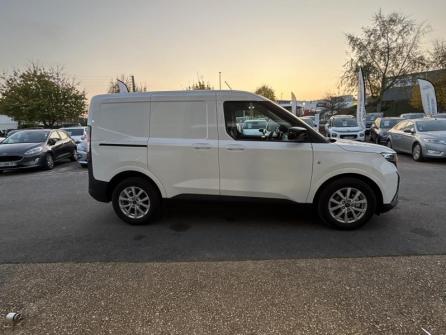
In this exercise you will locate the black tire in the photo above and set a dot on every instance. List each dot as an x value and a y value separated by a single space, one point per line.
48 162
417 153
341 184
150 190
389 144
73 156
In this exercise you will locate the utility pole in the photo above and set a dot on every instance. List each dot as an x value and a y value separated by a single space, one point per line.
133 83
219 80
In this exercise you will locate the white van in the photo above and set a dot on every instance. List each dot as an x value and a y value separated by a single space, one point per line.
146 147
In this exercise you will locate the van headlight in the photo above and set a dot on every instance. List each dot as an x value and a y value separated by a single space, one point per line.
391 157
34 151
334 134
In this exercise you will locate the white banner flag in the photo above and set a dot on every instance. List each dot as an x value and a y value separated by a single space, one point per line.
122 87
360 108
293 104
428 98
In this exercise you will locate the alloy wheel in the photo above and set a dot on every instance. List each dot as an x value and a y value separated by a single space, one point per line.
347 205
134 202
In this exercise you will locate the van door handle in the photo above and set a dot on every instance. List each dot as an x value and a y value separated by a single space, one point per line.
235 147
202 146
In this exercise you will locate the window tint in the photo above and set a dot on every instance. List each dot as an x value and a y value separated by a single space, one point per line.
262 121
431 125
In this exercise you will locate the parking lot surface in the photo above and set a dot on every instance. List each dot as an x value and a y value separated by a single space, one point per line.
71 266
48 216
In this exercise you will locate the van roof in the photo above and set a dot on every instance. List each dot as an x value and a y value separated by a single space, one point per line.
184 93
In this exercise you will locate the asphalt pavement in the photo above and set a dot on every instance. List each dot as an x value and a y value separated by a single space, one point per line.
70 266
48 216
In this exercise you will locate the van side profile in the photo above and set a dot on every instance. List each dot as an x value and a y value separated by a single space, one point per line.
147 147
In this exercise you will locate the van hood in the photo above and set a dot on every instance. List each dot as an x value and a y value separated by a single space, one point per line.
354 146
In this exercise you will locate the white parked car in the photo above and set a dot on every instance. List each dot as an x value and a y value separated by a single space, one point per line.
78 134
311 121
344 127
147 147
254 127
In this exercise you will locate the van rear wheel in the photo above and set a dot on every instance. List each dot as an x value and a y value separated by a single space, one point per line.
135 200
347 203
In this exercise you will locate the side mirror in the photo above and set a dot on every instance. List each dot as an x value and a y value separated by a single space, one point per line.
51 141
409 131
298 134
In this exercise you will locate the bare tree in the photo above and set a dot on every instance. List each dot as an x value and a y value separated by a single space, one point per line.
200 85
333 103
438 55
386 50
114 88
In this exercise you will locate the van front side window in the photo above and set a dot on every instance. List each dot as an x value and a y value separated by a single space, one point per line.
258 121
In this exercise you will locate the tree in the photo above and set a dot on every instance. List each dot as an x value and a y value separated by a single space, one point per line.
333 103
40 95
386 50
200 85
266 92
438 55
114 88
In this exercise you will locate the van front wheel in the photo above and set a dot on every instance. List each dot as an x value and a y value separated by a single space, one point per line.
135 201
347 203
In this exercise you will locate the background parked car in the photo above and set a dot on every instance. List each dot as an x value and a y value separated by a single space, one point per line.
344 127
420 137
412 116
253 127
1 139
82 153
310 120
36 148
78 134
380 128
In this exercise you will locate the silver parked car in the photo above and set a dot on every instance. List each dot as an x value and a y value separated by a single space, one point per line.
423 138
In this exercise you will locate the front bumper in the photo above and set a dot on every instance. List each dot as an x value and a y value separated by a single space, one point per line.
433 150
23 163
349 136
82 157
387 207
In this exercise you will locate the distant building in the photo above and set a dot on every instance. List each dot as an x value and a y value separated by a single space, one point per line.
402 89
7 123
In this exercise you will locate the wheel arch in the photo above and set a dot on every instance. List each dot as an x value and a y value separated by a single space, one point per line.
129 174
369 181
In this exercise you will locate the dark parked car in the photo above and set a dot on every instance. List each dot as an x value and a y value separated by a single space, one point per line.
36 148
380 128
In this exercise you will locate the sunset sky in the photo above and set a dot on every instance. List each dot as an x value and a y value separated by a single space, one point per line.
290 45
